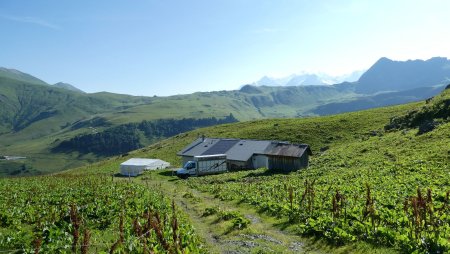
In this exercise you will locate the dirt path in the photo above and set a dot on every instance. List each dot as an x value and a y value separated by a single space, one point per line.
260 236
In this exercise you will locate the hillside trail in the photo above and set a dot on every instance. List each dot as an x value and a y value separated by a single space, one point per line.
260 236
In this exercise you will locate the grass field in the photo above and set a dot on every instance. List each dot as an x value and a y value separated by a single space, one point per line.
366 189
35 117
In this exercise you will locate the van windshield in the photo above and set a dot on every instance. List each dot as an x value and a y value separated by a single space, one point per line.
189 165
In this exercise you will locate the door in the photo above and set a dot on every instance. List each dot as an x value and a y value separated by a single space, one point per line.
260 161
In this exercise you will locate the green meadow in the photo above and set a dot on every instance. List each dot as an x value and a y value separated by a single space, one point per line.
374 184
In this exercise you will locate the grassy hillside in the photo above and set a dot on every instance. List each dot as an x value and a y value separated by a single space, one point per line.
353 156
33 116
319 132
36 117
20 76
77 214
364 184
246 104
378 100
32 108
68 87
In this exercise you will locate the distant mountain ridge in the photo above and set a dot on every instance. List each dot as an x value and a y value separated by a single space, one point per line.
378 100
25 77
389 75
385 75
308 79
36 116
20 76
68 87
23 104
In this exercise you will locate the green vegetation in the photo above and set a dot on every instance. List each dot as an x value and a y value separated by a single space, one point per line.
383 188
378 100
426 118
16 168
90 212
363 183
365 186
126 137
20 76
35 116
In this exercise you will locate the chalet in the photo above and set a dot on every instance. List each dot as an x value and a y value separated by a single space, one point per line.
251 154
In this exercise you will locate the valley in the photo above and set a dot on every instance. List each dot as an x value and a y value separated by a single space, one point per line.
36 118
224 127
359 195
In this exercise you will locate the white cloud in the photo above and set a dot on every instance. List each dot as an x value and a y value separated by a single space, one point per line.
31 20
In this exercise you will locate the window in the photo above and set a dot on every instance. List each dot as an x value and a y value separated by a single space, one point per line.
190 165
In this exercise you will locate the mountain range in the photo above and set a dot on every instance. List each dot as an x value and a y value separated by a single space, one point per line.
308 79
68 87
389 75
36 117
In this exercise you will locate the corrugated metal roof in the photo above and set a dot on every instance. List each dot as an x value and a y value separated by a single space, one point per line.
198 147
287 150
220 147
244 149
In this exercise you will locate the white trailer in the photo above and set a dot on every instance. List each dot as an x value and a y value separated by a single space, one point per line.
204 165
136 166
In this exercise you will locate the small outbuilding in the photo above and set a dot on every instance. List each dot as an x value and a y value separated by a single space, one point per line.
136 166
287 157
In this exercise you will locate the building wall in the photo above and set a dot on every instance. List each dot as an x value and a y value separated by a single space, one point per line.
260 161
231 165
131 170
304 160
238 165
280 163
271 162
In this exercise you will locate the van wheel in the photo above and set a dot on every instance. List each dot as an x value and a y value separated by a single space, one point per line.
184 176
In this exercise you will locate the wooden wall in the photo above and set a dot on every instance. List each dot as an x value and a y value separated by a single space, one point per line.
285 164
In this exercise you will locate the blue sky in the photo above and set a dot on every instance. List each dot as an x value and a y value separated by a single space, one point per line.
176 47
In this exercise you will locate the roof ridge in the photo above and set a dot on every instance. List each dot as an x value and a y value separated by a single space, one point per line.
249 139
